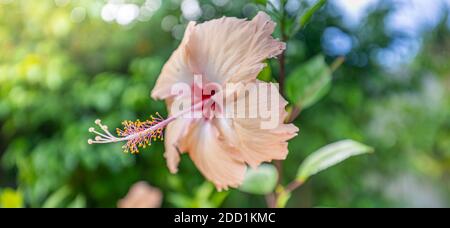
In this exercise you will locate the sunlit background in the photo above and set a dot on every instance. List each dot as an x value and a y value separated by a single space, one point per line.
63 63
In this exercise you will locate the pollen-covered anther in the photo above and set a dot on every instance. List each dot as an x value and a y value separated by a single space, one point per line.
138 134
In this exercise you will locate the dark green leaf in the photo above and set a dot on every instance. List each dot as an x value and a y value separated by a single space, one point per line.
261 2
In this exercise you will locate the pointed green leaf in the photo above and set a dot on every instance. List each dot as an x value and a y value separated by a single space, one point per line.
306 17
330 155
261 2
218 197
309 82
266 74
181 201
260 181
57 199
204 191
78 202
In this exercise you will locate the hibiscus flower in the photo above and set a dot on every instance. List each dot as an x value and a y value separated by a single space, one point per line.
218 52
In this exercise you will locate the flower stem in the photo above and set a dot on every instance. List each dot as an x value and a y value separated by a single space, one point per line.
282 75
273 197
293 185
282 57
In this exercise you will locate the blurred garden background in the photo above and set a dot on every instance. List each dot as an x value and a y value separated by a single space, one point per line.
65 63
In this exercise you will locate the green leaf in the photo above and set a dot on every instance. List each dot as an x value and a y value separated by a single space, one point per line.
266 74
181 201
261 2
56 199
10 198
218 197
204 191
78 202
309 82
205 196
261 180
330 155
306 17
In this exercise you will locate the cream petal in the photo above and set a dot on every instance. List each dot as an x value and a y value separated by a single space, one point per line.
141 195
212 156
233 50
257 145
226 130
175 131
176 70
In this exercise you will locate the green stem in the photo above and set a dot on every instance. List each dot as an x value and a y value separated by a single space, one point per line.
282 57
337 63
272 199
293 185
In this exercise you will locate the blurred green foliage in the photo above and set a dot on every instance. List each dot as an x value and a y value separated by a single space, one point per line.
62 66
10 198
